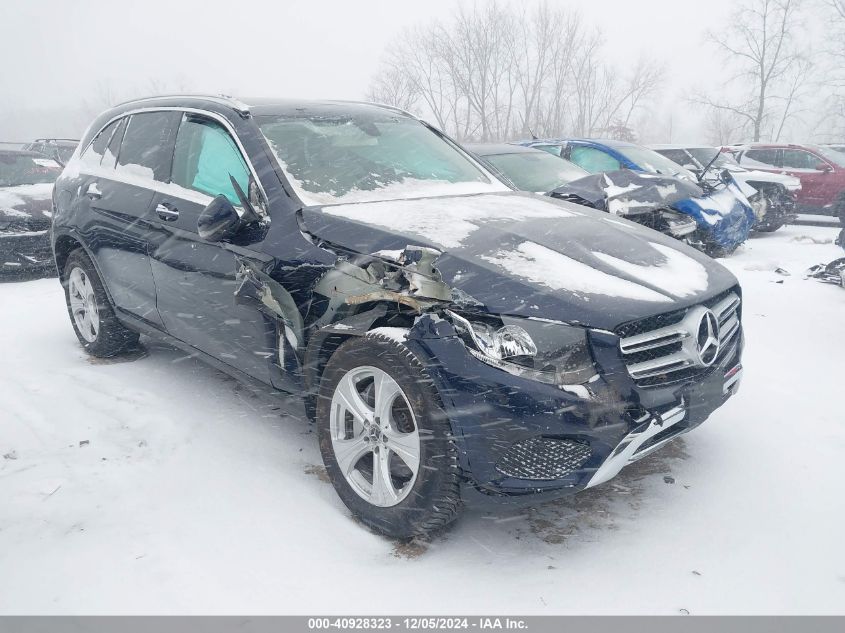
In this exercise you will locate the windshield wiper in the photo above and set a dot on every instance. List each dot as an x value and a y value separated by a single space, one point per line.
707 167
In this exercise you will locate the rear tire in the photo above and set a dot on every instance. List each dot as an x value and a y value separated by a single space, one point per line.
91 313
409 444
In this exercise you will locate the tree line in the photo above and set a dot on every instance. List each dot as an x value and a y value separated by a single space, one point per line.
496 72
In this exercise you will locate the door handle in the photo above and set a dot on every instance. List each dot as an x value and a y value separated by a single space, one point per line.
167 212
93 191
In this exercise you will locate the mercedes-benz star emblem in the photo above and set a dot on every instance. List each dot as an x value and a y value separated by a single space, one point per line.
707 338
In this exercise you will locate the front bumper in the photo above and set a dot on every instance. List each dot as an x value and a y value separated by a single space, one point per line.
654 431
523 441
22 250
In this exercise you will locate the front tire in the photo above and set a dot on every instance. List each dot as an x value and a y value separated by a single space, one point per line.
385 440
91 313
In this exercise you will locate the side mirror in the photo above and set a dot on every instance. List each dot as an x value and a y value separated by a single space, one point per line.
824 167
219 220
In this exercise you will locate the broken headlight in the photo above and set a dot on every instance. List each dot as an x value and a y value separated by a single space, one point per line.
547 351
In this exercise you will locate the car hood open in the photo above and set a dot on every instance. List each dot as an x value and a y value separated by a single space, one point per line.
529 255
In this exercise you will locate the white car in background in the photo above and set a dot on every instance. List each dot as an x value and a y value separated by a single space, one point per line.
774 203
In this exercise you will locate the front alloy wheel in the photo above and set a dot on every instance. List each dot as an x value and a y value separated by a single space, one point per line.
385 440
374 436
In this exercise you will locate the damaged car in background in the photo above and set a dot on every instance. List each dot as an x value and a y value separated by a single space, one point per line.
59 149
773 198
26 189
642 198
454 341
720 208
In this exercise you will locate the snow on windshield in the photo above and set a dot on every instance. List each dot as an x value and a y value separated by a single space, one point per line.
369 156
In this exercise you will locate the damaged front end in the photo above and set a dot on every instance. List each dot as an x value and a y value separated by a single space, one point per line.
536 406
714 217
643 198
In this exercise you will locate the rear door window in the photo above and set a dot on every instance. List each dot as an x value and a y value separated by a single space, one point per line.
800 160
147 148
593 160
766 158
206 157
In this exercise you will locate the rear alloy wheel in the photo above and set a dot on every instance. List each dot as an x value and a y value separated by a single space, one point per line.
90 310
385 440
83 305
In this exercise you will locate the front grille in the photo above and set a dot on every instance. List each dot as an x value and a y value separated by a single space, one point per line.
543 458
668 352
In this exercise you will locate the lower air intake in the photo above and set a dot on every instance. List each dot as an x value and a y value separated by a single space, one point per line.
543 458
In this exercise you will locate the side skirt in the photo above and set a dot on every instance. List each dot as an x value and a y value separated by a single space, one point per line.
248 381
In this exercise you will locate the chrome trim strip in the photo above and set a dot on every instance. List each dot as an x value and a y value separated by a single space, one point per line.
732 382
626 451
683 332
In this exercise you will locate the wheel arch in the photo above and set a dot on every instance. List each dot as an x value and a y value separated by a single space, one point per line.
63 245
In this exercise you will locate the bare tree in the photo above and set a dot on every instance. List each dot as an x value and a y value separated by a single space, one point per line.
394 87
723 126
760 42
496 72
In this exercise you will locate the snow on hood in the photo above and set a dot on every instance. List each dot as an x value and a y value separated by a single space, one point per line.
450 225
746 175
15 200
611 190
556 271
526 255
680 275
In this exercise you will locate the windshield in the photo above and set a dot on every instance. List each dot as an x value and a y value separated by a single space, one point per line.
21 169
651 161
369 157
705 154
838 158
536 171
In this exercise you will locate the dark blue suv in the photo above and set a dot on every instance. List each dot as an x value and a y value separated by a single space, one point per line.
453 340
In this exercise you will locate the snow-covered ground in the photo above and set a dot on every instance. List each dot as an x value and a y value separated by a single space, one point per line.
159 485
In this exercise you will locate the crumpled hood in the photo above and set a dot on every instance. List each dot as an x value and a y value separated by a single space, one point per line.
24 203
529 255
627 191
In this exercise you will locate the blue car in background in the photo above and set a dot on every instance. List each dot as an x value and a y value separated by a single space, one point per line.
722 213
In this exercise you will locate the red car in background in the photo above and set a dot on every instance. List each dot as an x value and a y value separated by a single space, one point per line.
821 171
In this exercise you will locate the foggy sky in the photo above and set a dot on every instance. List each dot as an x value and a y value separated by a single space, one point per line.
63 59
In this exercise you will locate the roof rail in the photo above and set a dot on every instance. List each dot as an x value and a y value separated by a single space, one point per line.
238 106
381 105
